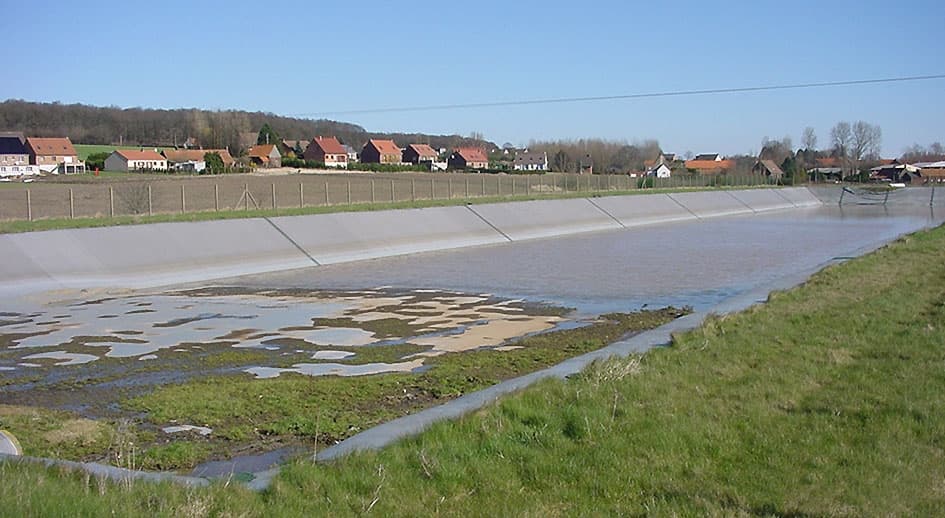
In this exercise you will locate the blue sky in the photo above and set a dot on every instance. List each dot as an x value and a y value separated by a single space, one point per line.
323 57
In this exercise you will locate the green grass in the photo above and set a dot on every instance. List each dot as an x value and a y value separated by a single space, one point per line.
826 401
12 227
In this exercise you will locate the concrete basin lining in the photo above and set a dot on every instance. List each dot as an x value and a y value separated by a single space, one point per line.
644 210
545 218
708 204
760 200
799 196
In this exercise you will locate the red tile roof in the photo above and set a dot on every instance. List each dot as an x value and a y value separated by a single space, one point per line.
710 165
472 154
135 154
261 151
424 151
828 162
386 147
51 146
330 145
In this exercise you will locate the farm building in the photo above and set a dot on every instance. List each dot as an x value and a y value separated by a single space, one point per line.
468 158
265 155
54 155
530 161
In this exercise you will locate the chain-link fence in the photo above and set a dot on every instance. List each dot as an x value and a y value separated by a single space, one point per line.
245 192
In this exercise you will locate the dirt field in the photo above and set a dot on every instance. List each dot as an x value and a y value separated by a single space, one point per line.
89 196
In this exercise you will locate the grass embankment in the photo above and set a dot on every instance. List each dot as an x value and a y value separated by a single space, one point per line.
13 227
825 401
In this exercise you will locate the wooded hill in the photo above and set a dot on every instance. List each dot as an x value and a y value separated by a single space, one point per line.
213 129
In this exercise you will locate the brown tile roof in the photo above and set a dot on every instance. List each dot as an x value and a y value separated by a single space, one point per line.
51 146
261 150
386 147
424 151
329 145
143 154
472 154
710 165
196 155
827 162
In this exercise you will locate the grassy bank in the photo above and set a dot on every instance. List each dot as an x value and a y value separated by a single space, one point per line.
825 401
17 226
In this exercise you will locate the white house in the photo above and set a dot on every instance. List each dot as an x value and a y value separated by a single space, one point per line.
661 170
134 160
530 161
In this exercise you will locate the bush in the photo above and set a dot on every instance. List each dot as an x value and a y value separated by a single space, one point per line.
96 161
645 183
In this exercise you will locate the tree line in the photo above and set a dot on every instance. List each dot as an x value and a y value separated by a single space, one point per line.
227 129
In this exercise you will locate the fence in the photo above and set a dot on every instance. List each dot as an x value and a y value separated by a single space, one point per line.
243 192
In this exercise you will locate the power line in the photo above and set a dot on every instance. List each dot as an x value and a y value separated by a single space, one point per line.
676 93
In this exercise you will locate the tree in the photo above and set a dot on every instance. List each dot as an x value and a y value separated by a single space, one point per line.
866 142
841 137
809 139
561 162
214 163
267 135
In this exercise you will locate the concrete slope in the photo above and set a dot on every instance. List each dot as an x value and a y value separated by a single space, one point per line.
144 255
545 218
638 210
800 196
710 204
352 236
761 200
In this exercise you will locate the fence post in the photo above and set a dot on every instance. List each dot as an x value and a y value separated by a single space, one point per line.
432 189
413 189
392 191
466 179
483 183
29 206
327 200
71 205
183 200
449 186
348 193
245 197
274 196
301 195
111 201
373 197
498 185
216 196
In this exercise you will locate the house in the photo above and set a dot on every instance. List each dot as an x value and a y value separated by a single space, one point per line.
661 170
714 157
419 154
930 172
352 154
894 173
135 160
265 155
767 168
296 147
328 151
530 161
54 154
381 152
186 159
468 158
710 167
663 158
13 150
586 165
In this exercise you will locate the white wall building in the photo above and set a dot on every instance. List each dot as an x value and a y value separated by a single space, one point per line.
134 160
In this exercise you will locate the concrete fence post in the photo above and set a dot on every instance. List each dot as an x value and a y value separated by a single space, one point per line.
274 207
483 184
183 200
373 196
392 191
466 180
498 186
327 199
111 201
432 189
449 187
29 206
348 191
216 196
71 205
413 189
301 195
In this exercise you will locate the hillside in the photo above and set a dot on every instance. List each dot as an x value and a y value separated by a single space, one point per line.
151 127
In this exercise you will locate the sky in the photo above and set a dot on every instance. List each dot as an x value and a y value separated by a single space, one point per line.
321 59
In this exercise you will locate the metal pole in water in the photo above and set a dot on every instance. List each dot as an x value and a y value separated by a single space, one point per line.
932 197
843 191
